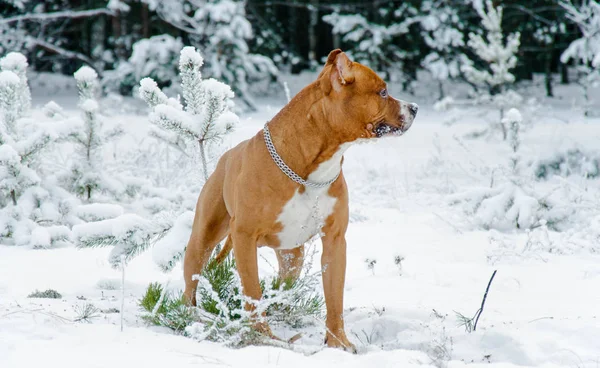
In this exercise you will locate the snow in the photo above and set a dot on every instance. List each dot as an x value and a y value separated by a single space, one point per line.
14 61
9 79
98 211
541 311
86 74
189 56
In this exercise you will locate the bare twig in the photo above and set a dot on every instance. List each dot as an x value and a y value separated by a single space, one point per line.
480 311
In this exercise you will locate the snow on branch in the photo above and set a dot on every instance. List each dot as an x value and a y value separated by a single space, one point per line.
206 116
60 51
130 235
72 14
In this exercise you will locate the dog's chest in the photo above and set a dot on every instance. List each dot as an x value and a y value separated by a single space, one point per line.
303 216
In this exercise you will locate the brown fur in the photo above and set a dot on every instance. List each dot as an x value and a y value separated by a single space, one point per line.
244 196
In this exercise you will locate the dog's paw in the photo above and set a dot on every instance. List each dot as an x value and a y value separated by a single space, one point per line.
340 342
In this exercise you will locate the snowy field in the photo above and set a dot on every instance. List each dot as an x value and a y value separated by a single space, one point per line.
543 309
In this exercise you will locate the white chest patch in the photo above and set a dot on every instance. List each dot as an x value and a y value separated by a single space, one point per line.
304 214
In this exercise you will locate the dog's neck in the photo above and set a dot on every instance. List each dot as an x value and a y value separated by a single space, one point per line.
307 142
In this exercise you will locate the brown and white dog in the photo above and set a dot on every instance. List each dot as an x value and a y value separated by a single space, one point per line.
251 200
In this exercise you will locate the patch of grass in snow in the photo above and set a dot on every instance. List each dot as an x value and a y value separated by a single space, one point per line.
48 294
165 309
86 312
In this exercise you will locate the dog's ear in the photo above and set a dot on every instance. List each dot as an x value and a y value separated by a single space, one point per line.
339 68
343 66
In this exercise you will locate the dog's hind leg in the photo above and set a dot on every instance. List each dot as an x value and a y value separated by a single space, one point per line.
211 225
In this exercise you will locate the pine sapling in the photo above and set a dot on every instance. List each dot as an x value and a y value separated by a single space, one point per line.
206 117
87 174
585 51
499 56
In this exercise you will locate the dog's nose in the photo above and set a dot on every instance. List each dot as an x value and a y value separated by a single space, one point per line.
414 108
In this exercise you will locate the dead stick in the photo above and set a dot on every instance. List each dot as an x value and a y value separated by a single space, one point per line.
483 301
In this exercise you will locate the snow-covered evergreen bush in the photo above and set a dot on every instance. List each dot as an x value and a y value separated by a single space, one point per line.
86 174
510 203
221 30
585 51
155 57
17 63
34 211
207 114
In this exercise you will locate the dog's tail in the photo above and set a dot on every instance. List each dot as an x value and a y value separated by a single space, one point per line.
225 251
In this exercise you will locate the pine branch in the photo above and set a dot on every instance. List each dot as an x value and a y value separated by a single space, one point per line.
71 14
99 241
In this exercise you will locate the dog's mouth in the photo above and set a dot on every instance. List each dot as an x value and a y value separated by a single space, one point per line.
384 129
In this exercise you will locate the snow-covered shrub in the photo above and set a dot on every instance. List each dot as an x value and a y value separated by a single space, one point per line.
569 162
17 63
154 57
207 114
86 175
510 203
33 211
585 51
220 314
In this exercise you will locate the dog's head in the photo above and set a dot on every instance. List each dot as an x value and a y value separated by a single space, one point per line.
359 103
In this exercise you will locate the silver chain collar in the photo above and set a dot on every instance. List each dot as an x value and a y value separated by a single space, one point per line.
286 169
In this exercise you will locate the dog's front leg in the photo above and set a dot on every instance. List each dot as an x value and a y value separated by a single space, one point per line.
246 259
333 263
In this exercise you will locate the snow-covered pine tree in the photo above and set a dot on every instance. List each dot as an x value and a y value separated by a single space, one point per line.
207 114
17 63
375 43
16 149
585 51
220 28
499 55
33 212
442 30
86 174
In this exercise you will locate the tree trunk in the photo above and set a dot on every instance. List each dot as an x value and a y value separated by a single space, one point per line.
564 74
145 21
89 192
548 70
312 33
203 160
13 196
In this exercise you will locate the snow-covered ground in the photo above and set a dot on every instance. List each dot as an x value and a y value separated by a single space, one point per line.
543 308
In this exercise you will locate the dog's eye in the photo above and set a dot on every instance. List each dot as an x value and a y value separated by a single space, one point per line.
383 93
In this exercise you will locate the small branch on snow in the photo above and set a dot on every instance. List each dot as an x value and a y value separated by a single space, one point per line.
480 311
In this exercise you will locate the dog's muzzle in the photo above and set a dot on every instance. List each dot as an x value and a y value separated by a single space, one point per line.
413 108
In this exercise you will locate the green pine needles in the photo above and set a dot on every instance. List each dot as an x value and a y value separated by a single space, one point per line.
220 315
